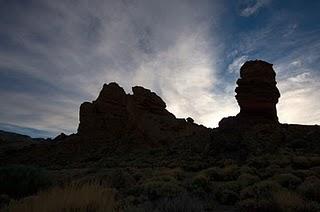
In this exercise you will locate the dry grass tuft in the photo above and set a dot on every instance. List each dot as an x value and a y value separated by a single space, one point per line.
289 201
73 198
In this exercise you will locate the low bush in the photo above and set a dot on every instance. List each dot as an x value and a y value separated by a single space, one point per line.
260 190
248 170
121 179
270 171
246 180
303 173
79 198
230 172
312 206
310 188
4 200
254 205
20 181
177 173
287 180
229 185
161 187
288 201
181 203
227 197
200 183
227 192
270 196
214 173
301 162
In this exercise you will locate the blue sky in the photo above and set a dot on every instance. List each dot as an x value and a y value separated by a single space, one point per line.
54 55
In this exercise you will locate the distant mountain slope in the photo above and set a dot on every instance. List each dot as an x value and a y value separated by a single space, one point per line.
13 137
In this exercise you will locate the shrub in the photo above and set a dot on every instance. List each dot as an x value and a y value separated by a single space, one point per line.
80 198
315 161
301 162
287 180
230 185
269 196
270 171
200 183
260 190
247 179
227 192
162 187
194 165
310 188
312 206
177 173
214 173
227 197
248 170
282 161
20 181
254 205
288 201
121 179
303 173
231 172
4 200
258 162
181 203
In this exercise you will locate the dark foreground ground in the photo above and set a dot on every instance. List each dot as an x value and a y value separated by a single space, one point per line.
266 167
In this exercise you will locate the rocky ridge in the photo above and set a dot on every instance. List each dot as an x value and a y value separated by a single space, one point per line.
142 115
118 123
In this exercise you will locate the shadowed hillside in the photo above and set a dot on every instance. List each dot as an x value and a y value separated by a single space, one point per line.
153 160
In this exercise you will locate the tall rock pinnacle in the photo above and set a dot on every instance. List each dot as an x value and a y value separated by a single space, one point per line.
257 95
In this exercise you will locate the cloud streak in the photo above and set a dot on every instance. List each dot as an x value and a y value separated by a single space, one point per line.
252 7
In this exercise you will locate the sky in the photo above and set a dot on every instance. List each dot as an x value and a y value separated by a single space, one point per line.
54 55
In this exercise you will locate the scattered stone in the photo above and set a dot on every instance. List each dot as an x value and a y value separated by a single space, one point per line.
190 120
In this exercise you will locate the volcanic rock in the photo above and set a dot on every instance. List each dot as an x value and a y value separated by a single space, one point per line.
257 95
106 114
141 116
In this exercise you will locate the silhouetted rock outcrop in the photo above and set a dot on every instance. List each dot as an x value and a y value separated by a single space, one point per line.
107 114
257 95
142 115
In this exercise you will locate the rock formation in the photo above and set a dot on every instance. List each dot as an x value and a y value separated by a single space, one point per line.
142 115
257 95
107 114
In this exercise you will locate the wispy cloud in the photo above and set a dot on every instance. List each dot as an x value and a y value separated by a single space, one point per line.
300 99
253 6
237 62
66 50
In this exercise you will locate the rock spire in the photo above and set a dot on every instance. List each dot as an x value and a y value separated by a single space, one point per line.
256 94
